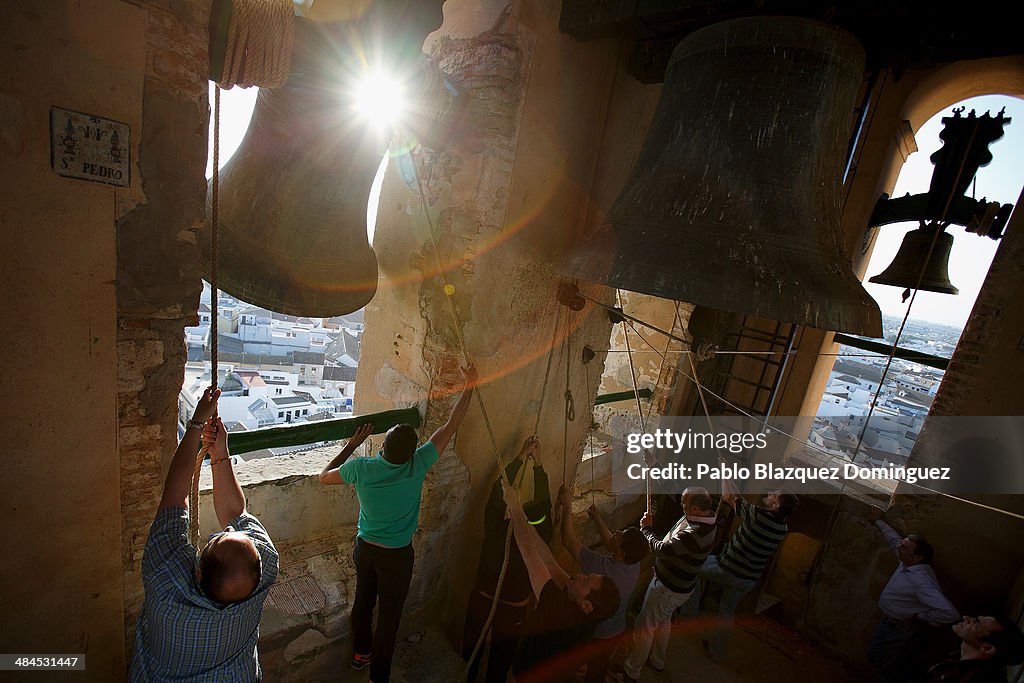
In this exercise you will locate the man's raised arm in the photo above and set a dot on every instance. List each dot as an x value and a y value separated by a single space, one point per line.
729 493
569 538
442 436
331 474
540 563
183 464
228 499
891 536
607 538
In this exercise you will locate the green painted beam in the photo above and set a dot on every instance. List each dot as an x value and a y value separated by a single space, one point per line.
621 396
335 430
322 430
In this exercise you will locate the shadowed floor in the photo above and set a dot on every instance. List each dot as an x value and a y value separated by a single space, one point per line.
761 651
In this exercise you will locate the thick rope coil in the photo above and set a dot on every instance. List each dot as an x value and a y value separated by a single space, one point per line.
259 44
705 351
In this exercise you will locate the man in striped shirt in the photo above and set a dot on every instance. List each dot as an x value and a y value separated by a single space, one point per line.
200 618
742 561
677 559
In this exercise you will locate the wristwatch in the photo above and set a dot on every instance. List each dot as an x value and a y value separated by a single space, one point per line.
194 424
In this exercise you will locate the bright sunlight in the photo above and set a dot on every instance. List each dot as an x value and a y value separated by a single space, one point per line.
380 99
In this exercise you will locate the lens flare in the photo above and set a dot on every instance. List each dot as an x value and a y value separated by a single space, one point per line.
379 98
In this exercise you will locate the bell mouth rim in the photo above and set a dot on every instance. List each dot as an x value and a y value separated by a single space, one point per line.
832 299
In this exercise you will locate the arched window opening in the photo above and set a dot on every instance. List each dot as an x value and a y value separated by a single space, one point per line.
273 369
236 106
902 398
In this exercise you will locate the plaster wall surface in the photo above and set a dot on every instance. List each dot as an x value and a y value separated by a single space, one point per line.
63 580
644 344
499 222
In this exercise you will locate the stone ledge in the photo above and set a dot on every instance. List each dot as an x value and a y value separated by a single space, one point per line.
277 470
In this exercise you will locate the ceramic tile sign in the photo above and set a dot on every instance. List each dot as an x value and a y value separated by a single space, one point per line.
89 147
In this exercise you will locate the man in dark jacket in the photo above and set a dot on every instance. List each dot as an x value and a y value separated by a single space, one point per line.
678 556
515 601
987 646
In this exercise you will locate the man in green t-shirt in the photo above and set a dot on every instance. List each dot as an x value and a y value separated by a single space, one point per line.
389 487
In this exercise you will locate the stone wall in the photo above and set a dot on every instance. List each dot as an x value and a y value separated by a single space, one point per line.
158 275
100 280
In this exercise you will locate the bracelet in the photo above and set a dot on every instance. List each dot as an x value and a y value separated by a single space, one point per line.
194 424
219 460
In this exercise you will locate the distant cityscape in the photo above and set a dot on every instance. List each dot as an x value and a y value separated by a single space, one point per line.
277 369
273 368
900 405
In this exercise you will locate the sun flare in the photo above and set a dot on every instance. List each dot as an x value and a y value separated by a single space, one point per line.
380 99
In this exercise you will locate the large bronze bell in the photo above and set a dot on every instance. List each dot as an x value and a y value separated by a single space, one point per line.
293 198
734 201
906 266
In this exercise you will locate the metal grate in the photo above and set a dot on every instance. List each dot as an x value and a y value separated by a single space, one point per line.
751 382
300 595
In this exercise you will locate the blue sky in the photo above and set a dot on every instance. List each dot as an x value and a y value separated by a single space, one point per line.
1000 181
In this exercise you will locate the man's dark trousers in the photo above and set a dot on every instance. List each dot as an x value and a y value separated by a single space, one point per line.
892 648
383 572
506 630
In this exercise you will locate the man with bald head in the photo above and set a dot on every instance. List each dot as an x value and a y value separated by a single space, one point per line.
200 619
678 556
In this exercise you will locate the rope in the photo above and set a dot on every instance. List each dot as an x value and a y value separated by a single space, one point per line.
501 578
776 429
677 321
754 353
700 390
759 420
938 228
258 52
193 495
547 370
737 408
704 404
590 438
636 390
570 409
494 603
259 44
